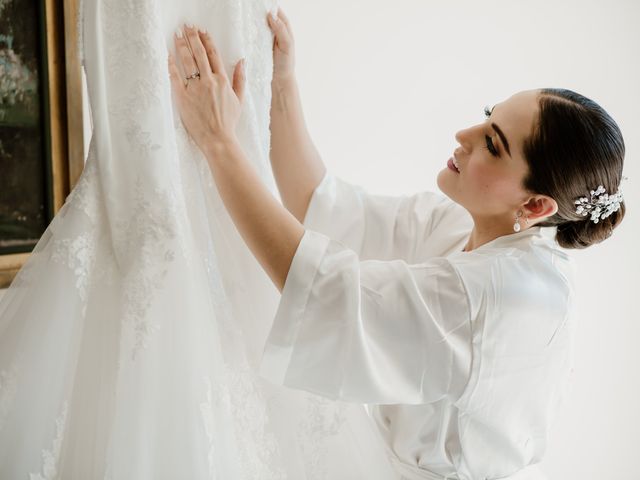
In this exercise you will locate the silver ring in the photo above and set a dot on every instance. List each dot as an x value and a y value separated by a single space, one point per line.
195 74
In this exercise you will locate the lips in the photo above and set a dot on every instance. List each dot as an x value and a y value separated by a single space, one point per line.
455 161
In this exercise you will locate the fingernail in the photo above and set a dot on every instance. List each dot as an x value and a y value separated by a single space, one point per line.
202 30
189 25
273 17
179 33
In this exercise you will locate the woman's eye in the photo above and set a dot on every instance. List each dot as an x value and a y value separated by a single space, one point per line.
490 146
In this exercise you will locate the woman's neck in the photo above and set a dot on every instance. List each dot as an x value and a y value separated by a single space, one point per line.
481 234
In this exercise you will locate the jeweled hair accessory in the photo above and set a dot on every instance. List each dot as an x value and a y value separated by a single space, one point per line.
601 204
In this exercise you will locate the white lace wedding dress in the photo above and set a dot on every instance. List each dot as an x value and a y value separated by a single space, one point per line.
130 340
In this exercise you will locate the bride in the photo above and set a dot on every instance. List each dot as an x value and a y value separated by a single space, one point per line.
451 315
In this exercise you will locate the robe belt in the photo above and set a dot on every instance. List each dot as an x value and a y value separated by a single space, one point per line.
413 472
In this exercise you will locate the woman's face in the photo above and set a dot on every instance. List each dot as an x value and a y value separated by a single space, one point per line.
492 165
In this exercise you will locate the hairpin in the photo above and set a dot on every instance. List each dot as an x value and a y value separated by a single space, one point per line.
601 204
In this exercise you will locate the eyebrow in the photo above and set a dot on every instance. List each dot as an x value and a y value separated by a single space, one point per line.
502 137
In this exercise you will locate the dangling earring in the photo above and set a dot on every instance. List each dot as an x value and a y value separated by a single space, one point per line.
516 226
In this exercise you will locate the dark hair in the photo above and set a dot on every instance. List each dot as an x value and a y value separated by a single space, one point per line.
574 147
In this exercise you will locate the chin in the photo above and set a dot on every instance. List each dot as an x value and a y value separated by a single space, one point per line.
445 186
441 180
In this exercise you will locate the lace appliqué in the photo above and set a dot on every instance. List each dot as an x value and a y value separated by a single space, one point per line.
206 409
323 419
149 231
238 393
79 254
85 196
51 457
147 236
137 65
143 236
80 250
8 380
141 140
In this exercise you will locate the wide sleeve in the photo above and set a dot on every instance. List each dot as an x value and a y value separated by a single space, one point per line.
377 332
384 227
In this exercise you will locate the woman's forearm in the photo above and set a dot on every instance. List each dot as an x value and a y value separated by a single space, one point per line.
210 109
296 163
268 229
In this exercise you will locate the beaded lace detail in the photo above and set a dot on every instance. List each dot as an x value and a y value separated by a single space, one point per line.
51 457
324 418
8 380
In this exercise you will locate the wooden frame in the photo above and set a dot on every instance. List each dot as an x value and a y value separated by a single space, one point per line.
63 77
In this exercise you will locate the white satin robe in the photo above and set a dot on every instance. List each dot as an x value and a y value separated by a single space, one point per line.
463 357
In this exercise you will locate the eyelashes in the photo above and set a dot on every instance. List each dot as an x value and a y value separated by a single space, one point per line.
490 146
492 149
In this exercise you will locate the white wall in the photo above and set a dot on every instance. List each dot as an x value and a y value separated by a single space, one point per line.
387 84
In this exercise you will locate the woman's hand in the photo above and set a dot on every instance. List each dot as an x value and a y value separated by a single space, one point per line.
210 109
283 47
209 106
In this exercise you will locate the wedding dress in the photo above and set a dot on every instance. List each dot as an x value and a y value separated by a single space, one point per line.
130 339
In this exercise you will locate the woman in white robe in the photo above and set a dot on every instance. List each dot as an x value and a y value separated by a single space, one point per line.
464 355
449 315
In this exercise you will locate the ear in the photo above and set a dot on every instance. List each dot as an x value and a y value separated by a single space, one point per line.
539 207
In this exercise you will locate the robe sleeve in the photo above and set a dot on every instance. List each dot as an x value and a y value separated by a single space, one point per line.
377 332
385 227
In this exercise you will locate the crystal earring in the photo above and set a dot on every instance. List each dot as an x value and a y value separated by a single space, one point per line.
516 226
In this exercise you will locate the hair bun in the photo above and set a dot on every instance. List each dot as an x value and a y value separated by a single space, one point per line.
574 146
584 233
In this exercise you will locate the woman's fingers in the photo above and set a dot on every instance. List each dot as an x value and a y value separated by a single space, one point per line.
184 53
285 19
213 55
239 79
281 32
280 24
198 50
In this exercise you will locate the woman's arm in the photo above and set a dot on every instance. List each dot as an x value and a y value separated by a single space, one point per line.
269 230
296 163
210 107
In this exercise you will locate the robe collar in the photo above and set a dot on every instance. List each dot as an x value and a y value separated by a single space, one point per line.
537 234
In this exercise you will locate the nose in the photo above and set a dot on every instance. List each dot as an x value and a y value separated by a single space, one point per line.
463 138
